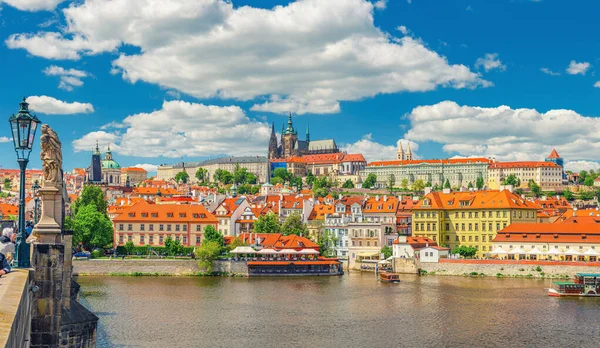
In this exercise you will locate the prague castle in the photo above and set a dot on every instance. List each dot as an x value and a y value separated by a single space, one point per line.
291 146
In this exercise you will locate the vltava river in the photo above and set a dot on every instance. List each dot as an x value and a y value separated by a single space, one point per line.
349 311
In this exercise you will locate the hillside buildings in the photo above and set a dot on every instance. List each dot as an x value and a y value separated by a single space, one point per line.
459 172
548 174
254 164
453 219
108 171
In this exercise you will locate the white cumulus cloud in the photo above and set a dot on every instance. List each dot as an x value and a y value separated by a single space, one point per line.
150 168
576 68
69 78
185 129
403 29
597 84
577 166
103 139
506 133
5 139
305 57
490 62
52 106
380 4
549 72
33 5
374 151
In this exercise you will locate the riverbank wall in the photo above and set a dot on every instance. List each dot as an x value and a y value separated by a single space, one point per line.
155 267
507 268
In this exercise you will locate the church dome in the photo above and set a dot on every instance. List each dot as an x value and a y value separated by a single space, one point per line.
110 164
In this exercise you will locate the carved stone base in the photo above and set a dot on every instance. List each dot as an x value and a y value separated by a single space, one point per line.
48 229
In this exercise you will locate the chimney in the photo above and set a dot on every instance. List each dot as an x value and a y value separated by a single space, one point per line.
574 212
446 191
377 198
385 198
402 239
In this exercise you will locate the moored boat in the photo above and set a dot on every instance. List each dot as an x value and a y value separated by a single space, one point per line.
584 284
389 277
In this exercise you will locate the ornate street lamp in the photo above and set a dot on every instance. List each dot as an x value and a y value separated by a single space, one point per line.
23 126
36 201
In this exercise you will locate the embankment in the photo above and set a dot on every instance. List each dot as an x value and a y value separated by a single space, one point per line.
507 268
154 267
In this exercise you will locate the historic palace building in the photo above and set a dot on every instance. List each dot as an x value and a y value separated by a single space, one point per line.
290 145
548 174
472 219
253 164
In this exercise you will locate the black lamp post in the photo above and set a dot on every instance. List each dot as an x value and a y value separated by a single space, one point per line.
23 126
36 202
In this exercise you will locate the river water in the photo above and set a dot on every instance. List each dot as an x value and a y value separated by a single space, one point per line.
354 310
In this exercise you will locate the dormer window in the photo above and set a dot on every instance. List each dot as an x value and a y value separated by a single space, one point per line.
154 215
181 215
144 215
131 215
169 215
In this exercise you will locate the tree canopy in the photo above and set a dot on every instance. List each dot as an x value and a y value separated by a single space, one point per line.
202 174
348 184
512 180
212 235
91 228
327 241
465 251
386 251
90 195
293 224
370 181
268 223
535 188
568 195
223 176
207 253
418 185
391 182
447 184
182 176
479 183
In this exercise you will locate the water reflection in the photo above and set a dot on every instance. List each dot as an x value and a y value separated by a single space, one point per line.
353 310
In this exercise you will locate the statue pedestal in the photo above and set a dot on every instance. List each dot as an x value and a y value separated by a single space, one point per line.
48 229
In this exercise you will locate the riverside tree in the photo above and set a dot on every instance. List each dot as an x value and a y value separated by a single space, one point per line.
293 224
212 235
89 222
268 223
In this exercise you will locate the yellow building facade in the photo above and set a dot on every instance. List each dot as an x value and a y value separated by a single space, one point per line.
453 219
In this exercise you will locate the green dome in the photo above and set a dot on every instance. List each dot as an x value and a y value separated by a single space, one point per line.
110 164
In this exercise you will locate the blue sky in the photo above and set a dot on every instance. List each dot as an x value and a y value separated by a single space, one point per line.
504 79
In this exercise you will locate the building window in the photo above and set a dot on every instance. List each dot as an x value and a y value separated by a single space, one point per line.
462 227
504 214
470 238
129 238
177 237
185 227
368 243
120 227
198 228
129 227
168 227
462 215
476 214
360 243
151 239
447 227
184 239
470 227
161 227
121 239
456 238
142 239
151 227
483 226
160 239
434 238
497 226
142 227
490 225
470 215
447 238
455 227
434 226
477 238
462 238
176 227
483 238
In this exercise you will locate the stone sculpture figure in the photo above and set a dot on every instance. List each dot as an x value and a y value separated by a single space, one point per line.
51 156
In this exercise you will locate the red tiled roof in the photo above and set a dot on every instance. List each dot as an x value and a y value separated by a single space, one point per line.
278 241
145 212
549 233
554 154
383 204
524 164
433 161
133 169
354 157
320 210
490 199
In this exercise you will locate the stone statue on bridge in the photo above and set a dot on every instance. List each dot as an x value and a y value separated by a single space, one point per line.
51 156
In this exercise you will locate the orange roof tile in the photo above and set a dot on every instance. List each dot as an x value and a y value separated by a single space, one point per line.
319 211
554 154
524 164
143 211
549 233
433 161
490 199
383 204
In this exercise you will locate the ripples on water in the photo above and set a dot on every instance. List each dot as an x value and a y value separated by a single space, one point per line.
354 310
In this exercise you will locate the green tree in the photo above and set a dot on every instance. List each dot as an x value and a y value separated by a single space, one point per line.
418 185
586 196
310 179
589 181
223 176
386 251
479 183
239 174
91 228
470 186
327 241
202 174
90 195
512 180
568 195
277 180
348 184
182 176
283 174
251 178
391 182
268 223
465 251
370 181
7 184
236 242
299 183
129 247
447 184
404 183
436 187
212 235
535 188
207 253
293 224
169 245
583 175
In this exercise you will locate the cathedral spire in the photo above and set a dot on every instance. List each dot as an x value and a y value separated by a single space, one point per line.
400 152
409 156
307 135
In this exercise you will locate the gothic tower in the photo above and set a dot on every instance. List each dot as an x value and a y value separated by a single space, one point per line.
409 155
400 153
273 143
289 138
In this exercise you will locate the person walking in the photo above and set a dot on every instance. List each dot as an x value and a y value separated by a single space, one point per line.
6 242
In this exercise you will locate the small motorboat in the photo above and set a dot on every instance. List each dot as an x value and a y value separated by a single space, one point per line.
389 277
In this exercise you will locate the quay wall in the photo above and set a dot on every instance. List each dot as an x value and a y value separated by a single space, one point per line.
507 268
154 266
